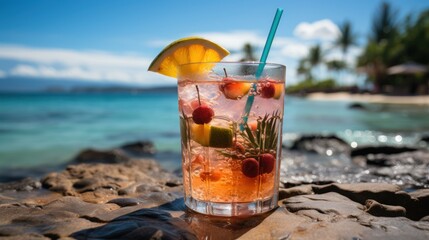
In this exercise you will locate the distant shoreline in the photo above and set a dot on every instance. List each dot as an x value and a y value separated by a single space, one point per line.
369 98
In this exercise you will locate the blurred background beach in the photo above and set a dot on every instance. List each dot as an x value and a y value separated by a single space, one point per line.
73 74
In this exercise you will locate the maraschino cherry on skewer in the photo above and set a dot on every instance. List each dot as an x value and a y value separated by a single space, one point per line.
202 114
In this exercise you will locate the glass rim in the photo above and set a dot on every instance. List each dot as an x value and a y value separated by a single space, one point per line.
256 63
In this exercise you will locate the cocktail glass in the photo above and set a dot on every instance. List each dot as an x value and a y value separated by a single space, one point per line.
231 157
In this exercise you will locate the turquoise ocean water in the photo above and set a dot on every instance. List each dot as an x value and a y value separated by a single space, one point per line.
45 129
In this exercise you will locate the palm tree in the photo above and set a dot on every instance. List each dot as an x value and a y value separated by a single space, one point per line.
344 42
308 63
336 66
304 69
346 39
379 51
315 56
416 38
248 53
384 24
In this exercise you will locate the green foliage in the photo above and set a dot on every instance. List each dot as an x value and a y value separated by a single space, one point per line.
384 24
336 65
415 39
394 42
248 53
311 86
347 37
315 55
314 58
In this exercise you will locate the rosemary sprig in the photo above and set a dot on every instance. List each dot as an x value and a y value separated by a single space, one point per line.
264 139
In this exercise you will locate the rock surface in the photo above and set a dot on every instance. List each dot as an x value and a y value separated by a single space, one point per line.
321 159
111 196
320 144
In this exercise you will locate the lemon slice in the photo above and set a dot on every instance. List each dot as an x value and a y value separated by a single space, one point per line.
186 50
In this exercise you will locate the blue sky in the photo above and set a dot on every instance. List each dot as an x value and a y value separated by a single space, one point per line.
114 41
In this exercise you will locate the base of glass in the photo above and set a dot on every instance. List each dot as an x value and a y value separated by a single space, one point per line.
235 209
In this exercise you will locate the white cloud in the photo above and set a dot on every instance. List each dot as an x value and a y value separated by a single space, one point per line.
74 73
320 30
235 40
295 50
79 65
71 57
2 74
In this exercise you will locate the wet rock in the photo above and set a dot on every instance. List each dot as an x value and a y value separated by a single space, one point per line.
79 179
418 157
27 184
129 190
408 168
125 202
141 148
144 188
382 210
395 228
420 207
59 218
97 156
422 195
386 194
326 203
364 151
425 138
357 106
77 206
141 224
321 144
12 211
331 213
361 192
30 236
295 191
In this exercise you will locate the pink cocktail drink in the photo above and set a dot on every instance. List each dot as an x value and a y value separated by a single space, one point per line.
230 157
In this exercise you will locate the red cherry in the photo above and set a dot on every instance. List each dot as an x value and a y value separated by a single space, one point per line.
250 167
266 162
202 114
267 90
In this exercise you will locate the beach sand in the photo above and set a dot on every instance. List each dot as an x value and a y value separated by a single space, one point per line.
370 98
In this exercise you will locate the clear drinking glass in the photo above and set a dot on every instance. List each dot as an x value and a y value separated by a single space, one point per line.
230 165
